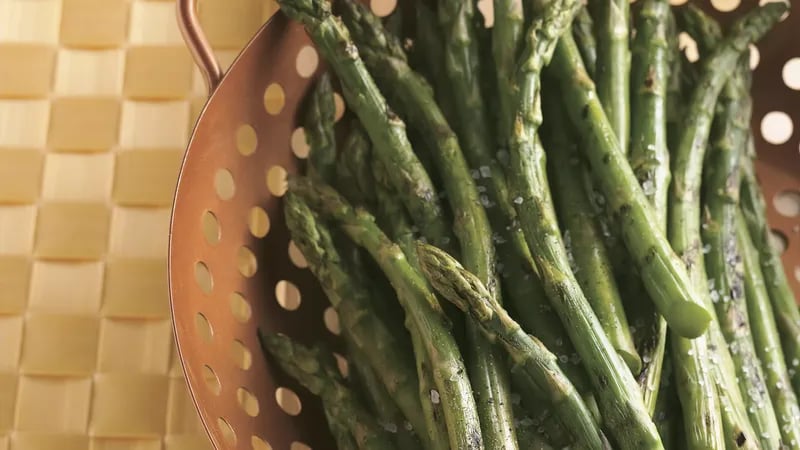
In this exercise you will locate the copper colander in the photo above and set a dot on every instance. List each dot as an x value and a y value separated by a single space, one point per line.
233 268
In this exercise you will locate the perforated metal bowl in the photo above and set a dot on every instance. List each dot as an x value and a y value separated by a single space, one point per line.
233 268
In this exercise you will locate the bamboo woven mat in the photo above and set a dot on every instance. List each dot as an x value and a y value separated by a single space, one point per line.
97 98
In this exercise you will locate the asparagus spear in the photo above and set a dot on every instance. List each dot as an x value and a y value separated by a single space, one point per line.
767 342
783 301
583 241
353 176
462 65
318 124
723 256
424 316
610 18
583 32
316 370
520 280
413 98
739 432
664 276
386 131
538 364
348 295
780 293
506 39
649 154
394 219
529 436
617 394
344 440
650 161
378 398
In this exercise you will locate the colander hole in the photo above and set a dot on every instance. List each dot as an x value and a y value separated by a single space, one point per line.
787 203
755 57
486 8
277 181
223 184
246 140
274 99
298 143
689 46
776 127
791 73
725 5
241 355
211 380
248 265
331 319
259 444
211 229
247 401
307 61
299 446
203 277
338 102
296 256
288 295
228 435
382 8
240 308
203 327
677 2
778 241
258 222
342 364
288 401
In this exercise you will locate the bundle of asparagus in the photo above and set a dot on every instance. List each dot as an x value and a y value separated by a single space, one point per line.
589 207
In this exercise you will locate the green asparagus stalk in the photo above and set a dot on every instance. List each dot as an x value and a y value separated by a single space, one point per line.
582 238
506 39
344 440
612 72
583 32
529 436
520 280
318 124
391 215
662 271
386 131
780 293
705 31
316 370
352 301
650 161
353 176
739 432
667 415
462 66
393 218
413 98
424 316
723 257
379 399
767 342
649 78
617 394
538 364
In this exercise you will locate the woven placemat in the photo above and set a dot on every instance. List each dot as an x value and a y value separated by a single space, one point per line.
97 99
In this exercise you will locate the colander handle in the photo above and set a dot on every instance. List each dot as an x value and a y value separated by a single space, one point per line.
198 43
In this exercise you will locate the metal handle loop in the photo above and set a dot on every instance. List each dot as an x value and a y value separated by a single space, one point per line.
198 43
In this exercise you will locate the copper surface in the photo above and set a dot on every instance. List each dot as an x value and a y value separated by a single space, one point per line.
239 99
